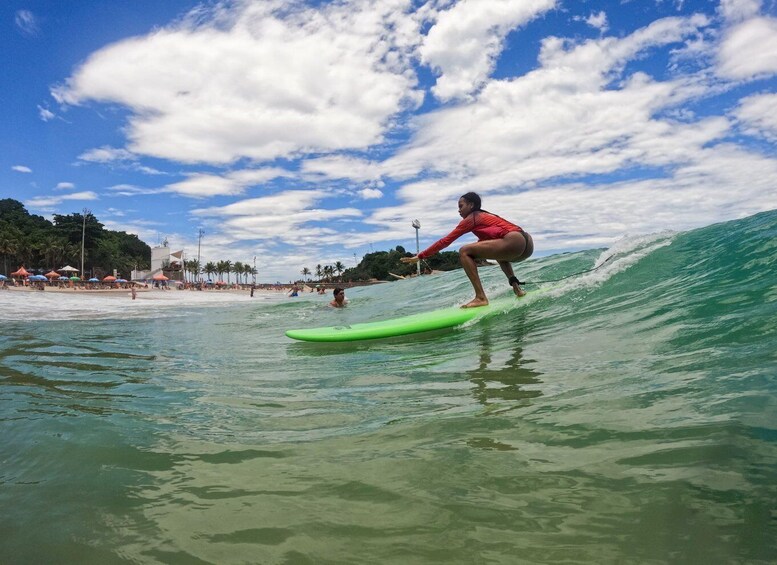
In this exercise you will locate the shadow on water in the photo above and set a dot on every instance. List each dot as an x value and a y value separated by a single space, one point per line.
503 372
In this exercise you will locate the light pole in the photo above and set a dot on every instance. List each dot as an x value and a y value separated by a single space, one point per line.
83 235
417 225
199 265
254 272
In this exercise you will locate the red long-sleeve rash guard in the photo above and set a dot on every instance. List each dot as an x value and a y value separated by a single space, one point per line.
483 224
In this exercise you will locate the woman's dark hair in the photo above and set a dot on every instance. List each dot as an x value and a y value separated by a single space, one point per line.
473 198
337 291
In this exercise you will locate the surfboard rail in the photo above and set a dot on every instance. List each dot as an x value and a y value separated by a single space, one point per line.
405 325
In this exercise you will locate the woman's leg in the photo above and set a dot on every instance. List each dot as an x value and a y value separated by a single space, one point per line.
471 268
507 267
509 248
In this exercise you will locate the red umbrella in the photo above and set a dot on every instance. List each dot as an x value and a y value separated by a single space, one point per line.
109 278
22 272
52 275
160 277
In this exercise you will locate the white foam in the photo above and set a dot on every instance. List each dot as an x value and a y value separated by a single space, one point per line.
625 253
54 306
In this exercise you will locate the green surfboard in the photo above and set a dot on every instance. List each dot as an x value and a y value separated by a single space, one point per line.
412 324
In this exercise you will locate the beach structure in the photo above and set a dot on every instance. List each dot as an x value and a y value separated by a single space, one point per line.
163 262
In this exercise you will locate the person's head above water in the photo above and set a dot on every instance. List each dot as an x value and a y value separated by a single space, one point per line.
469 203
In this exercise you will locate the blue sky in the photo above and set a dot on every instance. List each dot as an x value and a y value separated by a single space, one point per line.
306 133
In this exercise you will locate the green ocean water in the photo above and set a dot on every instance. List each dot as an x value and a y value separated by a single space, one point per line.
628 415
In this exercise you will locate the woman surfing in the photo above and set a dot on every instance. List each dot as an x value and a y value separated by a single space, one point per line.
498 239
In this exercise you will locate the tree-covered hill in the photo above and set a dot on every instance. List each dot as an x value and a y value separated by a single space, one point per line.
36 243
379 264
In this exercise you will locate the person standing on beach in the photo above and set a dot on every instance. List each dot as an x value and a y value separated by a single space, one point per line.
498 240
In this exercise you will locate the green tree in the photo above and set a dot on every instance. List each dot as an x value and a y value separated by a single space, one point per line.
210 269
41 244
305 272
339 268
9 245
223 267
193 268
237 268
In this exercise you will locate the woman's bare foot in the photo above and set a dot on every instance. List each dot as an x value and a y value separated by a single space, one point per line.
518 290
476 302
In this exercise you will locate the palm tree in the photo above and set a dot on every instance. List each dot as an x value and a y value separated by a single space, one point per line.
237 268
8 247
71 253
328 272
223 267
305 272
210 269
56 251
193 267
319 271
339 267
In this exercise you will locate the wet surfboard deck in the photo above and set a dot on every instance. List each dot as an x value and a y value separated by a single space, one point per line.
405 325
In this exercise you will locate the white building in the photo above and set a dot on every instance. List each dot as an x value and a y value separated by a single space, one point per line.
162 262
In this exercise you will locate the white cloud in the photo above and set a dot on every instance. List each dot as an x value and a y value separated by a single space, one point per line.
204 185
44 202
289 216
749 50
342 167
21 169
146 230
718 183
26 22
260 81
370 193
132 190
463 44
598 21
568 117
65 186
734 11
45 114
758 114
106 154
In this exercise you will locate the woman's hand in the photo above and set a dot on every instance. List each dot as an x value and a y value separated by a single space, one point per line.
413 259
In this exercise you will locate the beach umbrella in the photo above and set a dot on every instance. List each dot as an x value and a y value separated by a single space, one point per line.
51 275
94 279
75 278
64 278
22 272
119 280
68 269
160 277
109 278
3 277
